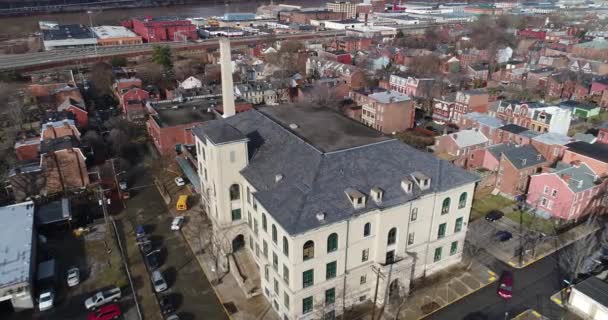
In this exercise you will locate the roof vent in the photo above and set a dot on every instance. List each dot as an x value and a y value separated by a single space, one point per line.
278 177
293 126
377 194
321 216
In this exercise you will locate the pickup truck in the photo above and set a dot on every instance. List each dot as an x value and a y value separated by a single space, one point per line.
102 297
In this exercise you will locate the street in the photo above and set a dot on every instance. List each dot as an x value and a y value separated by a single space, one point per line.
532 288
190 290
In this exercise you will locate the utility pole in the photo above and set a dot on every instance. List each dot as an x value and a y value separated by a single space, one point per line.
118 191
379 275
90 13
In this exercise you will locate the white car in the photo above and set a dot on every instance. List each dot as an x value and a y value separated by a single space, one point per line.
177 222
73 277
179 181
45 301
159 282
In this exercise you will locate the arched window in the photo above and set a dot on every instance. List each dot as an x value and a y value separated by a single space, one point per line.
264 223
462 202
332 242
235 192
367 229
445 207
285 247
309 250
274 234
392 236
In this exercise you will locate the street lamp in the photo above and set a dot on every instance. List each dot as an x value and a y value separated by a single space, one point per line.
90 13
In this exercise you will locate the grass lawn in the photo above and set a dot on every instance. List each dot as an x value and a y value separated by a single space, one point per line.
487 203
531 222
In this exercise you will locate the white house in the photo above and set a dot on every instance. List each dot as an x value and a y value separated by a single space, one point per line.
191 83
318 204
589 299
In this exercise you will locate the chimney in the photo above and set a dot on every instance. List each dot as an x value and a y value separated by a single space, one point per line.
227 85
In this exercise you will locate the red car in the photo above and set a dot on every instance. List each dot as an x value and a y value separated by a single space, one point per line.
505 289
107 312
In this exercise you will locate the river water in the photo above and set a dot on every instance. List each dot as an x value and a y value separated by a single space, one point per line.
24 25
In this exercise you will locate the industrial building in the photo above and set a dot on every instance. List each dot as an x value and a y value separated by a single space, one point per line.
17 263
159 29
115 36
68 36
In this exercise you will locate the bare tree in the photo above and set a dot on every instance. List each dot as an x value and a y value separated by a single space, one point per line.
102 78
487 34
425 66
185 68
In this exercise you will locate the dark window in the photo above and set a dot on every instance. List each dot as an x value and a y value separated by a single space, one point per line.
441 231
236 214
307 305
308 278
458 225
330 270
445 207
274 234
332 242
235 192
285 247
462 202
330 296
392 236
264 223
390 257
367 229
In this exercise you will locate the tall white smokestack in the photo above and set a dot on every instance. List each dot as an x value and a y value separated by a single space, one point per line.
227 85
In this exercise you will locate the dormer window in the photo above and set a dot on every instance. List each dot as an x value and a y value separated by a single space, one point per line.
377 194
407 185
422 180
356 198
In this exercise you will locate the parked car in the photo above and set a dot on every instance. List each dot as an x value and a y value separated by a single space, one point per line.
145 245
494 215
73 277
503 235
46 300
167 305
505 288
159 282
179 181
103 297
123 185
172 317
177 222
140 231
153 259
107 312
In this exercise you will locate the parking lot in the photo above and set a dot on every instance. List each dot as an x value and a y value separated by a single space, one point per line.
100 265
188 287
482 234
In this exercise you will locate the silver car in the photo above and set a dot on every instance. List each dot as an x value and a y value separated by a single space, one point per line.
73 277
159 282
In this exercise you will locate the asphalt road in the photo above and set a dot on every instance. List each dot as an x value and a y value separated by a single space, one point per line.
532 288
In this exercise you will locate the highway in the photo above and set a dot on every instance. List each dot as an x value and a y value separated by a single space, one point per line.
73 56
59 57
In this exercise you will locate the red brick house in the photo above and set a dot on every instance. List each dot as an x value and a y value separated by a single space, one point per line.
594 155
169 126
516 165
59 129
78 109
352 43
122 85
602 133
561 85
478 71
551 145
532 33
515 134
132 103
67 92
457 146
411 85
484 123
161 29
27 148
337 55
63 165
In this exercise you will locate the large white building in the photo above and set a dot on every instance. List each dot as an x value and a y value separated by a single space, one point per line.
319 203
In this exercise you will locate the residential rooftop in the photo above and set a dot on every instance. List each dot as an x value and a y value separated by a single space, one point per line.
513 128
389 96
523 156
484 119
171 114
553 138
68 31
579 178
467 138
321 158
16 241
595 289
595 151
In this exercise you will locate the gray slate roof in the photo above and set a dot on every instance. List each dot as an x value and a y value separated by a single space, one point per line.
467 138
582 177
552 138
314 181
484 119
523 156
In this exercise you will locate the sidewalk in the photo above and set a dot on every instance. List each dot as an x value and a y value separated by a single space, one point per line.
551 244
237 305
530 315
442 289
559 299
